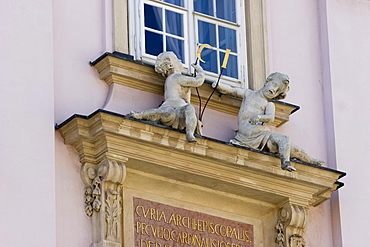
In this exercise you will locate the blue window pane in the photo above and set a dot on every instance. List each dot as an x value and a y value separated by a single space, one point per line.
204 6
153 17
231 67
210 56
227 38
174 23
176 2
207 33
176 46
153 43
225 9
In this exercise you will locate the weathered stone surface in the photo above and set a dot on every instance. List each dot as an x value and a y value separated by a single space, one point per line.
257 109
124 158
176 110
115 70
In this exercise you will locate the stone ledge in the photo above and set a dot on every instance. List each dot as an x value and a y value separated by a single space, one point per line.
123 70
209 163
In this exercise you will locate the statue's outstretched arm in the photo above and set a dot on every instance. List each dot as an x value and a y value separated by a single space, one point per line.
227 89
268 117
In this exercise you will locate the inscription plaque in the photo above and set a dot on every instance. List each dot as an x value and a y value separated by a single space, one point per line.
161 225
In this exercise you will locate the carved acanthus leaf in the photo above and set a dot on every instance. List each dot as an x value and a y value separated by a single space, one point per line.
94 177
113 213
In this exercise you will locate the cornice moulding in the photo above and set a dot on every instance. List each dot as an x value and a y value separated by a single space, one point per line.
161 151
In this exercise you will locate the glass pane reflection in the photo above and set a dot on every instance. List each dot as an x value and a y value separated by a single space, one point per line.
227 38
153 43
225 9
153 17
176 46
204 6
231 67
206 33
176 2
210 56
174 23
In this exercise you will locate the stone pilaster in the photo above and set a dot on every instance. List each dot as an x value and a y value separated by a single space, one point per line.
103 199
291 226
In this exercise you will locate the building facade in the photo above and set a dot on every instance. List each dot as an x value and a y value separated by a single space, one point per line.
55 57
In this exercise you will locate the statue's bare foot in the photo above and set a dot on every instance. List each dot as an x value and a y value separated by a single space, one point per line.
236 142
318 162
190 138
134 114
285 165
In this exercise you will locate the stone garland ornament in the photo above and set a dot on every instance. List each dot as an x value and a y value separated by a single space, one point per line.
103 199
280 237
257 109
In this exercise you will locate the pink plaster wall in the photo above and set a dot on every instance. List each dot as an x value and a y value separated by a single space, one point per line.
73 226
27 171
349 49
79 37
295 49
45 78
324 47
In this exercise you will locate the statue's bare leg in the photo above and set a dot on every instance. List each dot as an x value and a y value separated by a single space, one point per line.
191 122
164 115
300 154
280 144
151 114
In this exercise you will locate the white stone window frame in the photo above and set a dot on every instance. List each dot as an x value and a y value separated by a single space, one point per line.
254 29
138 46
191 17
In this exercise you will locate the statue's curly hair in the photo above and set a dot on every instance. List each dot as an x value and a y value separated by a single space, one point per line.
165 62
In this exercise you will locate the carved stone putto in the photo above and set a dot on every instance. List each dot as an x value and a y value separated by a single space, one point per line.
176 110
257 109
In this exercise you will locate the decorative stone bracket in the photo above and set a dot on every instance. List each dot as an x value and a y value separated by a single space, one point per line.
291 226
103 199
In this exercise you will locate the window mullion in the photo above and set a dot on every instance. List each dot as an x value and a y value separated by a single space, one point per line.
164 37
218 48
192 37
214 9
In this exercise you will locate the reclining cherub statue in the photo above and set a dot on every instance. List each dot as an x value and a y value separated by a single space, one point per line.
176 110
257 109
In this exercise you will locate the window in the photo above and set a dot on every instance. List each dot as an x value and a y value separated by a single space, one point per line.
182 26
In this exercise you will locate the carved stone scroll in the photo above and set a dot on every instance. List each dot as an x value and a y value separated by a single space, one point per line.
291 226
103 199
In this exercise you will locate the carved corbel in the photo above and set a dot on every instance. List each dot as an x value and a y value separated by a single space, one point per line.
291 226
103 199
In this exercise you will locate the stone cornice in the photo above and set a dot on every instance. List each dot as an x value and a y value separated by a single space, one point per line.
123 70
164 152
